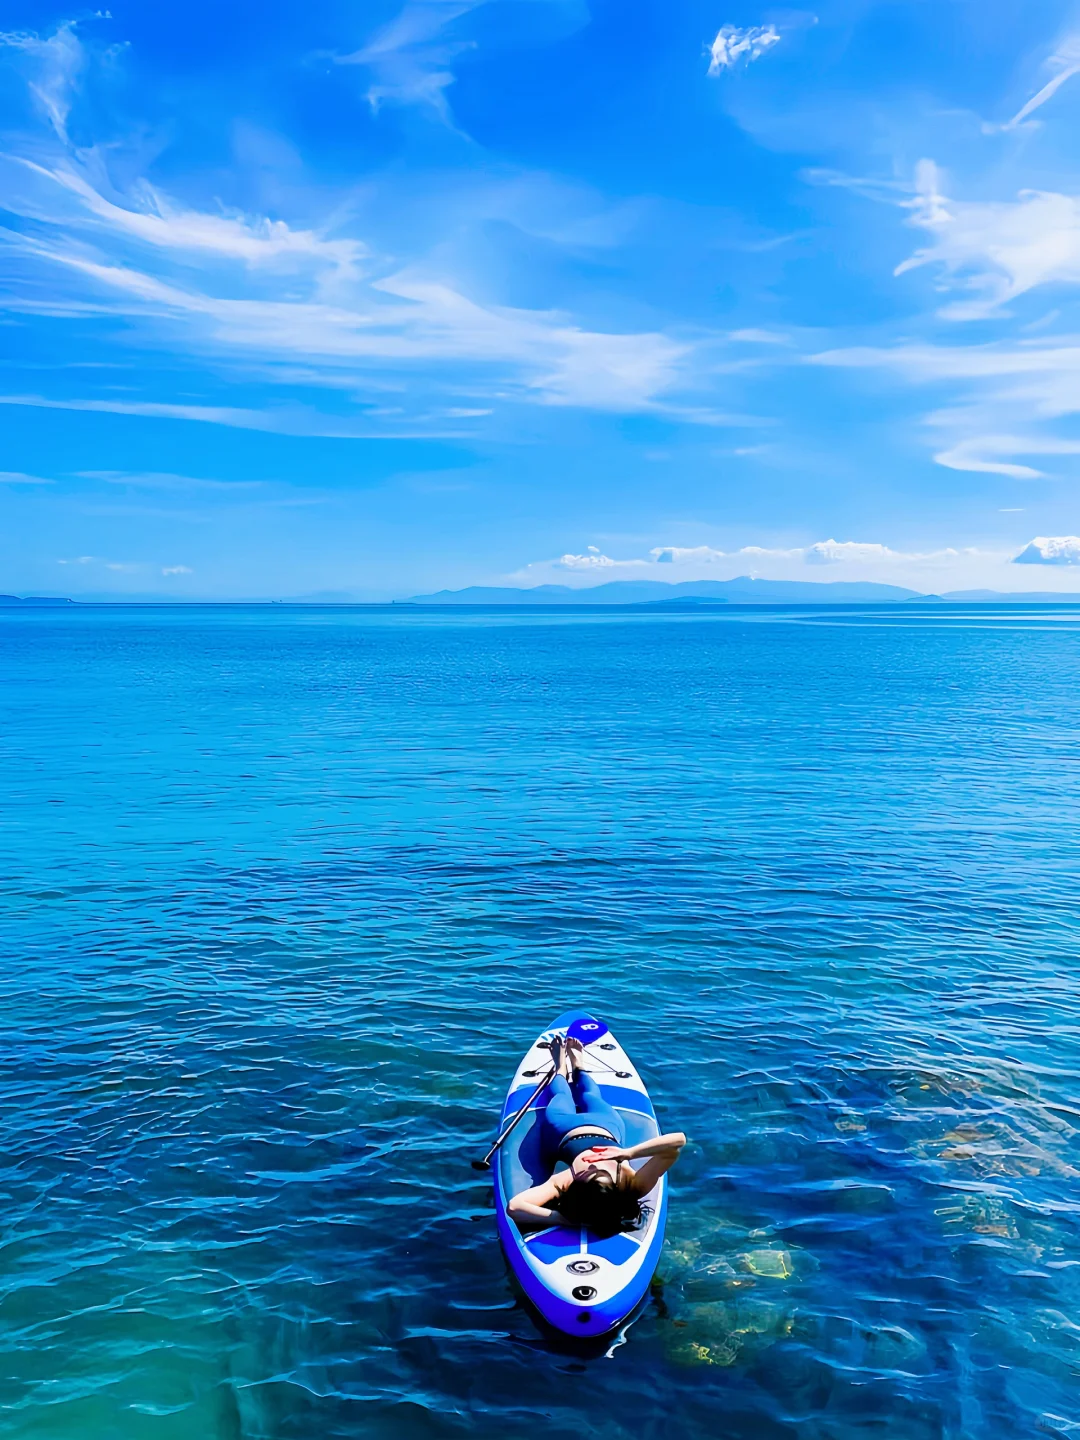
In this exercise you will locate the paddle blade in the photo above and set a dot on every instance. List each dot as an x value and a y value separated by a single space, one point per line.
481 1164
587 1030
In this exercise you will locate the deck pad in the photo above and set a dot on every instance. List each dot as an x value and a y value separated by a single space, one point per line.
610 1274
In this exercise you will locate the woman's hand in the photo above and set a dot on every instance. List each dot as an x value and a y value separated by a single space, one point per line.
603 1152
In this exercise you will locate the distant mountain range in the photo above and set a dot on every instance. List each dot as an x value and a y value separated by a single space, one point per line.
34 600
742 591
689 595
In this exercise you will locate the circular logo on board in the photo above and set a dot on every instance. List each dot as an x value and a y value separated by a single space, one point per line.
582 1267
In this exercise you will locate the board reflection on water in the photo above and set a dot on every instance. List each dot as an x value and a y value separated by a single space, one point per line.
279 922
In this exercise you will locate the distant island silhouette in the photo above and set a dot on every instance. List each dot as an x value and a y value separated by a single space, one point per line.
647 594
35 600
744 590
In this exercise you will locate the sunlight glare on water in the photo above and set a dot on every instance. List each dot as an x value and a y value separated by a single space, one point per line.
285 893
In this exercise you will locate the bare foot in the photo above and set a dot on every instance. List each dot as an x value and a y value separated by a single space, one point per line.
560 1056
575 1052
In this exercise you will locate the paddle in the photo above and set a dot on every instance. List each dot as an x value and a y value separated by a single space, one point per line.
485 1163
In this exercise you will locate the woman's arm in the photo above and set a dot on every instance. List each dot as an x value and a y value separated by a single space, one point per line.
536 1203
662 1145
659 1156
662 1154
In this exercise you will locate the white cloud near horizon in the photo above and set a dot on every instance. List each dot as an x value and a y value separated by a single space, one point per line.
665 560
822 552
127 566
733 46
593 559
1050 550
946 568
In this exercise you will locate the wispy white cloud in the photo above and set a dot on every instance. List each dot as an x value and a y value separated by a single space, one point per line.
1032 365
409 60
733 46
976 454
212 282
154 219
292 421
402 319
17 477
1015 384
126 566
989 454
994 250
56 61
989 251
759 337
1064 63
1050 550
155 480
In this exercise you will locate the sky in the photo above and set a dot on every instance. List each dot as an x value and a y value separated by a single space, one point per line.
370 299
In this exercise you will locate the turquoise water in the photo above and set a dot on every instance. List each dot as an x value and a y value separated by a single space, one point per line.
284 893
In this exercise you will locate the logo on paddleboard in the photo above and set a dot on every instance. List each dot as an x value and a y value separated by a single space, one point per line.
582 1267
588 1029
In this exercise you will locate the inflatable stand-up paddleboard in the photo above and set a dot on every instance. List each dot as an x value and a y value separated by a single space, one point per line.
581 1283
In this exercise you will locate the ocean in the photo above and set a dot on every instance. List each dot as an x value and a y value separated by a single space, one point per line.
285 892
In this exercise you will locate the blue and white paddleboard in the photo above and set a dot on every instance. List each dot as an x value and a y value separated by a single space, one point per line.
579 1282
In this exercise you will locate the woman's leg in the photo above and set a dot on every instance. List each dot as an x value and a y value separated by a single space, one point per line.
560 1114
592 1108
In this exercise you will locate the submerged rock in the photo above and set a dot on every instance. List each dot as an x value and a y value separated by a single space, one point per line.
718 1334
769 1264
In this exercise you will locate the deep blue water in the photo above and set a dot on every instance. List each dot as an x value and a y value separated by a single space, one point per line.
284 893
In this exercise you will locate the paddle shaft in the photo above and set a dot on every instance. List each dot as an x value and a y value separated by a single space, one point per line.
486 1161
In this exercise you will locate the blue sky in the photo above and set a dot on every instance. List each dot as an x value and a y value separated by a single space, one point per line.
378 298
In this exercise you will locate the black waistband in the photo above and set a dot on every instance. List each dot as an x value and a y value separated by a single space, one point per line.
575 1145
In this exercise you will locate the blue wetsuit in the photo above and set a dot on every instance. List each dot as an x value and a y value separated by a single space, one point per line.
570 1108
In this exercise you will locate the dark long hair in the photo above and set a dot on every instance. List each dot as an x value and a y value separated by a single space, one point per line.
600 1206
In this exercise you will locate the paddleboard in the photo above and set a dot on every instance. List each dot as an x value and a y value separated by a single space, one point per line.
582 1283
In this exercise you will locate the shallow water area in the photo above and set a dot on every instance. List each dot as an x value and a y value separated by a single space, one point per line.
285 892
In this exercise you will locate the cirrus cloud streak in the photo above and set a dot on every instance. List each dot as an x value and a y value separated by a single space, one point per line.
264 296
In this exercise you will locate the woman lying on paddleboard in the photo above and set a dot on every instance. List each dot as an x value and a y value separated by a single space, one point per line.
600 1189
